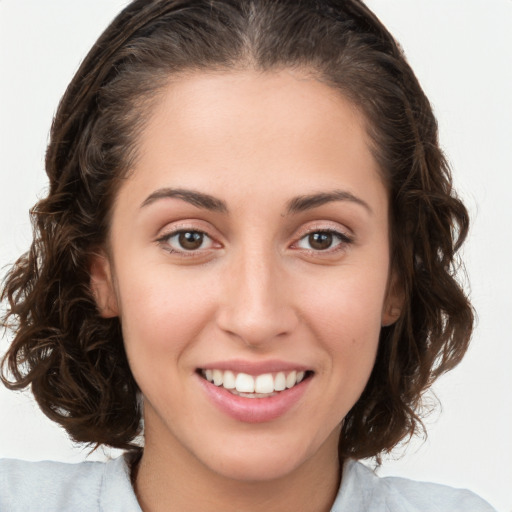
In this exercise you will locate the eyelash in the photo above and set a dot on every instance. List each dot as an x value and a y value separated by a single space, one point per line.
165 241
343 239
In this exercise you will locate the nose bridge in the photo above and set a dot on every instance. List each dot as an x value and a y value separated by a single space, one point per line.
257 308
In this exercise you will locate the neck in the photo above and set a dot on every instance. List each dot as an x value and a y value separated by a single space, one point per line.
171 479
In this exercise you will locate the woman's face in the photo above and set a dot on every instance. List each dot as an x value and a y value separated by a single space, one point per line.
249 245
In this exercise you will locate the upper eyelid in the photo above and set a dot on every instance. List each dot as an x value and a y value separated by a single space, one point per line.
210 231
196 225
344 238
170 234
325 230
323 227
173 232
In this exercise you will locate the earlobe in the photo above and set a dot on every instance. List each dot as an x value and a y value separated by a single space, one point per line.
102 286
390 316
393 304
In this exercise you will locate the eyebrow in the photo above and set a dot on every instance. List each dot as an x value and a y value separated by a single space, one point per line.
295 205
308 202
198 199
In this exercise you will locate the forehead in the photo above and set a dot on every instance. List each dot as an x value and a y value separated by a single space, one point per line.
285 128
287 103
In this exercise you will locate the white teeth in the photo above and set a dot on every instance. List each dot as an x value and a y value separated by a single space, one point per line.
229 380
244 383
291 379
258 386
264 383
217 377
280 382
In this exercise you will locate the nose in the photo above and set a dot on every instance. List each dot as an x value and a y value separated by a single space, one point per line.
258 303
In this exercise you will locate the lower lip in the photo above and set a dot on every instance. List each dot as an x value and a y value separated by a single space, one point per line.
254 410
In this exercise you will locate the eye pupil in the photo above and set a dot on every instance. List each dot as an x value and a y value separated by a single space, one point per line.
190 240
320 241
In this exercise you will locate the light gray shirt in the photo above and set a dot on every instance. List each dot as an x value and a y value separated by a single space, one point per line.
106 487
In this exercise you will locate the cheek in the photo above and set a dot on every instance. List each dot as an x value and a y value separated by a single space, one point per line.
161 314
350 306
345 317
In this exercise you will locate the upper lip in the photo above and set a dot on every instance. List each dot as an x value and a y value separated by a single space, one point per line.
255 367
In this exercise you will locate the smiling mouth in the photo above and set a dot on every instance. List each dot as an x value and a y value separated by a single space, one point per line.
254 386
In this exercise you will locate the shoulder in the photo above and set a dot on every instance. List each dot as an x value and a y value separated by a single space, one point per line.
55 486
49 485
362 489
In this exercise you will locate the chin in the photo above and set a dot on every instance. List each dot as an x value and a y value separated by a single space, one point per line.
255 469
259 461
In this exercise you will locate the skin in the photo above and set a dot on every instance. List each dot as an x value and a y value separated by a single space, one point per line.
256 289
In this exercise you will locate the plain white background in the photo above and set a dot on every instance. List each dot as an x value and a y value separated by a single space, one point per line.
461 52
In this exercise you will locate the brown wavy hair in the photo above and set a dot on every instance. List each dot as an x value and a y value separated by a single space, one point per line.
74 360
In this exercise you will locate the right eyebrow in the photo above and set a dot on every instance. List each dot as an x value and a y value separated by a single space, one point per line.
303 203
193 197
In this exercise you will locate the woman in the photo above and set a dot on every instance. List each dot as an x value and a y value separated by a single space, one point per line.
248 242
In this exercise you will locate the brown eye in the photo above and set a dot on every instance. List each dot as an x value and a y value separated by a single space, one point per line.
323 241
187 241
190 240
320 241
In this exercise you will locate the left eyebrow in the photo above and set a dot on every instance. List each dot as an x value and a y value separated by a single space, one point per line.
308 202
193 197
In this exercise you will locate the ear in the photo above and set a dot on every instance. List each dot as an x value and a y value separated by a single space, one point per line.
102 285
394 302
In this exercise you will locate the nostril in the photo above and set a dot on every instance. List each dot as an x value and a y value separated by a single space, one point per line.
257 312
